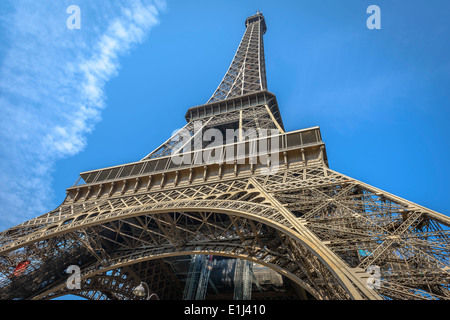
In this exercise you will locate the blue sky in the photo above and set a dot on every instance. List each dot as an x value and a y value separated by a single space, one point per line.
114 90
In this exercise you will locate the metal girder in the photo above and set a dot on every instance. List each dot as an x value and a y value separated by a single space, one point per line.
332 236
340 216
247 70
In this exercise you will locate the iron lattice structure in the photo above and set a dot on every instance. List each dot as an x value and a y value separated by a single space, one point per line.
300 228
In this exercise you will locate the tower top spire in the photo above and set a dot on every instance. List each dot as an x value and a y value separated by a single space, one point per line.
247 72
258 17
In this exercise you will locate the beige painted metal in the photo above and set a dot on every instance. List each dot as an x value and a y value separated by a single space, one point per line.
320 229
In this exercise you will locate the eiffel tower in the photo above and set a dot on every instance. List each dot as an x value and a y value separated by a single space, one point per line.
256 215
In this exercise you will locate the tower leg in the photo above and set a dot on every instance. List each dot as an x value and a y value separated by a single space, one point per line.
242 280
197 278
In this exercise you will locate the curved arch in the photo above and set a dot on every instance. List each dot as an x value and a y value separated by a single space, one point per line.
98 285
60 289
265 214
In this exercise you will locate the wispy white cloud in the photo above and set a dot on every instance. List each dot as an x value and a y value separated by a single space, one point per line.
52 88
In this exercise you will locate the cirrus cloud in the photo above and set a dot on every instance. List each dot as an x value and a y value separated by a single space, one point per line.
52 83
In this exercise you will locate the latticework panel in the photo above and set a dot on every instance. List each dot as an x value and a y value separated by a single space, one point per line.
247 70
332 236
371 229
249 123
273 220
